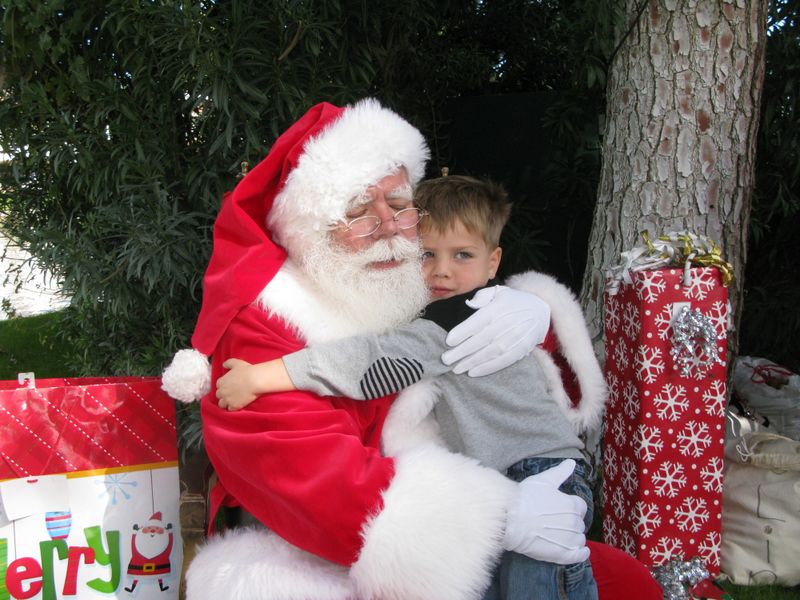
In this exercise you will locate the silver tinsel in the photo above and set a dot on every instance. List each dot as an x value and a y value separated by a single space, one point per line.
677 577
694 343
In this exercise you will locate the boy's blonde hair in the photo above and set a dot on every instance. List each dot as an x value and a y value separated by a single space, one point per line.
482 206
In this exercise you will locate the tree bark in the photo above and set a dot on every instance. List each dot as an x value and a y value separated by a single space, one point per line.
683 106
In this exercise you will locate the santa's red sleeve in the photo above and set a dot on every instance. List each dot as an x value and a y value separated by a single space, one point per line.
426 522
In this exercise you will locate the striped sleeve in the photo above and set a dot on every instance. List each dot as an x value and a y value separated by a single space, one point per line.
389 375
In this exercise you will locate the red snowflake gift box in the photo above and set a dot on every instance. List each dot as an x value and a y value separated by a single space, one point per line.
665 340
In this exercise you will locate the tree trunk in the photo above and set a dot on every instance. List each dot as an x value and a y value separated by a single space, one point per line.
683 98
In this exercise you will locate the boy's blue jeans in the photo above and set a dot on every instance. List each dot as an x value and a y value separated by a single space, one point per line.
518 577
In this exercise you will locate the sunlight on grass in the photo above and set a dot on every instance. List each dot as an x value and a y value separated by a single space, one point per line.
29 344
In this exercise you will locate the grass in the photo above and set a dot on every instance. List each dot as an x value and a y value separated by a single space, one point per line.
762 592
28 344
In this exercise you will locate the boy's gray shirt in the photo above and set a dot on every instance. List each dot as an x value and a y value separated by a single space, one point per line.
498 419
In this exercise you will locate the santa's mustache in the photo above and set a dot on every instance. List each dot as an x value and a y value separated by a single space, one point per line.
399 249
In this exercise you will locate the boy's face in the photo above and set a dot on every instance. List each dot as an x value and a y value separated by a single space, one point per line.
456 261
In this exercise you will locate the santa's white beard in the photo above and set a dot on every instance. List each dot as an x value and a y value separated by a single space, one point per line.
375 300
151 545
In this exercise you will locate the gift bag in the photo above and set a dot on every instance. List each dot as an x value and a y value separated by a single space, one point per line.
89 490
761 511
770 390
665 337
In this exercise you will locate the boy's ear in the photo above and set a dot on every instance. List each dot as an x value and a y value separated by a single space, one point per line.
494 261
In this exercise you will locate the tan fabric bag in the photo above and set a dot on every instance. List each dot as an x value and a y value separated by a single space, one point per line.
761 510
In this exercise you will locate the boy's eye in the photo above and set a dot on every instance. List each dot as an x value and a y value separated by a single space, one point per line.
427 255
464 255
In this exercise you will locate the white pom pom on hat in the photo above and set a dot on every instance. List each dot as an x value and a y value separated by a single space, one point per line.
188 376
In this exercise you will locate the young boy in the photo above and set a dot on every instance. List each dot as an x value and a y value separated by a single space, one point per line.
508 421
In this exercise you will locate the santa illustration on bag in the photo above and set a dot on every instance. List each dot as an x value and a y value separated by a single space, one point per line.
151 546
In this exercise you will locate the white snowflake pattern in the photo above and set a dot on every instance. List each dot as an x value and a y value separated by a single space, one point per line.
612 314
671 402
649 364
618 504
627 543
669 479
630 322
701 283
621 355
610 531
618 429
630 398
711 474
648 444
630 480
650 286
692 514
709 548
718 315
714 399
694 439
663 322
612 382
610 464
646 518
666 548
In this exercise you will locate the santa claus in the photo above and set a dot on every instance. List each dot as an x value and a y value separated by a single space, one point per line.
358 500
151 546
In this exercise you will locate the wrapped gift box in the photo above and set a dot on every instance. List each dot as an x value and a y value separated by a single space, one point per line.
664 429
89 490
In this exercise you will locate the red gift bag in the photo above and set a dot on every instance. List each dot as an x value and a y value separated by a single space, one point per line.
664 428
89 489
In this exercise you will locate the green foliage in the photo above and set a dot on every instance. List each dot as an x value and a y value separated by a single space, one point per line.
28 344
127 121
771 315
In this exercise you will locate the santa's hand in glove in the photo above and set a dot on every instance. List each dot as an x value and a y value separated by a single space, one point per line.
506 327
544 523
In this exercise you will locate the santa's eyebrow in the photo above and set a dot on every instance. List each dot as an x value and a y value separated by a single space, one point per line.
401 191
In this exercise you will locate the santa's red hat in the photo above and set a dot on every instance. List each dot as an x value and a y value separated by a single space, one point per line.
155 520
305 183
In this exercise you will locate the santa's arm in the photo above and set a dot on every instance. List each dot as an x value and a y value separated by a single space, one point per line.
506 326
567 356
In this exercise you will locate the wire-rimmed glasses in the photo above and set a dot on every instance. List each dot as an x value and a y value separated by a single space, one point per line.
406 218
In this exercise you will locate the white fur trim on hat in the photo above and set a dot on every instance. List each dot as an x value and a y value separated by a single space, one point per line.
570 326
439 533
367 143
188 376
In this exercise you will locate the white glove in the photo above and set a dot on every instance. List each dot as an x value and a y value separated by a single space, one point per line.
544 523
507 326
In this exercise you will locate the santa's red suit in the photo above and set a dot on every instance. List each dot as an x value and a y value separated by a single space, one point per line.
360 499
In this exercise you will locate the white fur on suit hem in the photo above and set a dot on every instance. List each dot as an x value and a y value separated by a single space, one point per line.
439 533
256 564
410 421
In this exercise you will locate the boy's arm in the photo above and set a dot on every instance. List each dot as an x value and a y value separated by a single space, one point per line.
371 366
244 382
